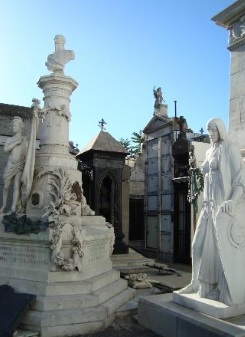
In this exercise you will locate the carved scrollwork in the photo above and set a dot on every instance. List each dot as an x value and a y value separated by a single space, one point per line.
237 30
63 203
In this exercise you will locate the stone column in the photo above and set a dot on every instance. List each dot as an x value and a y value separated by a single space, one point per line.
233 19
54 131
53 157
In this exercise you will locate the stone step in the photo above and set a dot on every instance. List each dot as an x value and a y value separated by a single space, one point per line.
76 329
104 279
25 333
127 309
65 288
114 303
87 324
111 290
132 259
62 302
63 315
84 320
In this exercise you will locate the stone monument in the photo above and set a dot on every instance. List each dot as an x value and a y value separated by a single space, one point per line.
64 253
219 239
213 304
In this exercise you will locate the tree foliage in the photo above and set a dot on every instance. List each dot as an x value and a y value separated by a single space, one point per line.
126 144
137 140
133 145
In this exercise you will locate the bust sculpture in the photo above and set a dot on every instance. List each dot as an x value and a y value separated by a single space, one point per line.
57 61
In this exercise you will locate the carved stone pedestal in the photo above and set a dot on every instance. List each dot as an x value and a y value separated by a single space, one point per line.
69 302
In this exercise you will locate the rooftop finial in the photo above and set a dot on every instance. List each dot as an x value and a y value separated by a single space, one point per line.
102 124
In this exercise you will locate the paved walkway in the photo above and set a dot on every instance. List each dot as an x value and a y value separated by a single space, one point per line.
126 324
124 327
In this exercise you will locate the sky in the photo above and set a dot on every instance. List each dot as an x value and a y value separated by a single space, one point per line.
123 48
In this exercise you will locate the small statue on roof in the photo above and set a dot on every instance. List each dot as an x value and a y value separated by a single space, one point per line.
158 97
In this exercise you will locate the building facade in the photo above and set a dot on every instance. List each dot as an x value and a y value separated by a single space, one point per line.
106 183
169 219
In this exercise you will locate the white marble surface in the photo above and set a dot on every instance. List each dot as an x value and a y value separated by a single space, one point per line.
218 249
161 315
209 307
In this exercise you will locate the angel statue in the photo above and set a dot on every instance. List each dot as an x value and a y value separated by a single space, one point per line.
158 97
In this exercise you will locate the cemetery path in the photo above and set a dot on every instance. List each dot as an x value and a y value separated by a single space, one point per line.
124 327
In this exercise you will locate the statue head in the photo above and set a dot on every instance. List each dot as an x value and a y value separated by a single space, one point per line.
216 130
18 123
59 39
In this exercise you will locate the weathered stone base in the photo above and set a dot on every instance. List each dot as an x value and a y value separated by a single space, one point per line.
160 314
68 302
209 307
89 307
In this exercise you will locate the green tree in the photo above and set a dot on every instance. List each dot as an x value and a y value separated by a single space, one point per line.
126 143
137 140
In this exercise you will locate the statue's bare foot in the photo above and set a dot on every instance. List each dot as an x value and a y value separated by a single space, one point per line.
189 289
2 209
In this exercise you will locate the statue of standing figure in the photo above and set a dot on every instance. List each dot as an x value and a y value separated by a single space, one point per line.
219 241
16 146
20 166
158 97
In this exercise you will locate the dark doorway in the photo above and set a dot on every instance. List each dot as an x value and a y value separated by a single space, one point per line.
136 219
182 223
106 196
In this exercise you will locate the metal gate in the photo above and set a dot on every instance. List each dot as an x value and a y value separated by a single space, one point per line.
182 224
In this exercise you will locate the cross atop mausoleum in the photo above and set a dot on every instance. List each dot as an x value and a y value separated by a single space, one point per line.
102 124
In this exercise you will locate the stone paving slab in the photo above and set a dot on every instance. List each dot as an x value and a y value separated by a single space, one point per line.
124 327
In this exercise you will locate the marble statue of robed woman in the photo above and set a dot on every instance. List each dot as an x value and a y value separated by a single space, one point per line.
218 249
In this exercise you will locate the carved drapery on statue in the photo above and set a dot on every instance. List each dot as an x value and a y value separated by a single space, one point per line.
27 176
219 239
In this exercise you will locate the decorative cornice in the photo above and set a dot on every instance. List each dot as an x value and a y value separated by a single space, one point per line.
233 19
230 14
